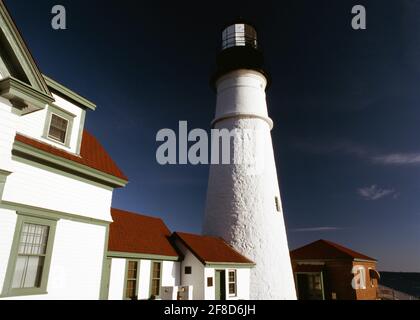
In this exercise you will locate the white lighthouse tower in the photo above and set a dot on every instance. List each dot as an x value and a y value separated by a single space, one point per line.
243 199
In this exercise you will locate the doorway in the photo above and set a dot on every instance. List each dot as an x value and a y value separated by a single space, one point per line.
310 286
220 285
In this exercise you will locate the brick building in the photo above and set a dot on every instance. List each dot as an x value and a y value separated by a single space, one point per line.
325 270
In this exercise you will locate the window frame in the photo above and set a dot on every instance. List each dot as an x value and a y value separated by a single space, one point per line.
235 282
127 263
8 290
151 278
277 203
189 270
61 113
371 279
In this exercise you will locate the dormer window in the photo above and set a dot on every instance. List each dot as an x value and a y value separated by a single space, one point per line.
58 125
58 128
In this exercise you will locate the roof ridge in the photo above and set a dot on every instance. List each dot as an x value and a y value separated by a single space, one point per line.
196 234
342 250
345 249
137 213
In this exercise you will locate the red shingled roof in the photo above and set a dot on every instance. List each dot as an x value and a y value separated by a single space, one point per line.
134 233
326 250
211 249
92 154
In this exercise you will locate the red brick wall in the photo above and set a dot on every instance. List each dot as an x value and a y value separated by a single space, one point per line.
338 279
371 292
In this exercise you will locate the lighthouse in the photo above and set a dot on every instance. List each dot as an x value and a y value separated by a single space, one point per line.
243 199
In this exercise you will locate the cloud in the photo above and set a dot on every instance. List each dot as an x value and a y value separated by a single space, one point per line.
361 152
328 147
375 193
398 159
317 229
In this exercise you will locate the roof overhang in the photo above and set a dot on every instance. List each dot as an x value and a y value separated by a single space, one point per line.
227 265
23 96
365 260
20 54
51 214
141 256
77 99
26 151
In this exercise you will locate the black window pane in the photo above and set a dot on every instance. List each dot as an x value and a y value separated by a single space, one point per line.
58 128
131 289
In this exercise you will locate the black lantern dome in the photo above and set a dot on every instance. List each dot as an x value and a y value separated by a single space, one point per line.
239 50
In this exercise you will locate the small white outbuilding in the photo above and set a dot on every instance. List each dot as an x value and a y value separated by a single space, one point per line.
140 259
146 261
214 269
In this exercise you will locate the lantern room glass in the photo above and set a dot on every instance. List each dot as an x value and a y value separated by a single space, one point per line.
239 35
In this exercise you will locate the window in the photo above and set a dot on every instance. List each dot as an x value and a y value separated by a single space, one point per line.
232 283
310 286
30 257
58 128
314 282
239 35
188 270
58 125
277 200
156 277
210 282
373 274
131 282
372 282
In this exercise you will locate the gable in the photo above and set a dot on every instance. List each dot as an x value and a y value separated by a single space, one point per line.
16 60
327 250
212 250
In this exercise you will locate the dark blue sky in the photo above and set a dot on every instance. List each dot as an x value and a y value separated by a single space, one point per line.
345 104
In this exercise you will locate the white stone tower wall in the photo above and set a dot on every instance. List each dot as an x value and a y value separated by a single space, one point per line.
241 201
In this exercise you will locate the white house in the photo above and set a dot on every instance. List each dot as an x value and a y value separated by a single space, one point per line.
215 270
56 183
140 259
146 262
59 236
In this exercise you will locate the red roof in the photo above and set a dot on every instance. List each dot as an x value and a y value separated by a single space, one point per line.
134 233
211 249
326 250
92 154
